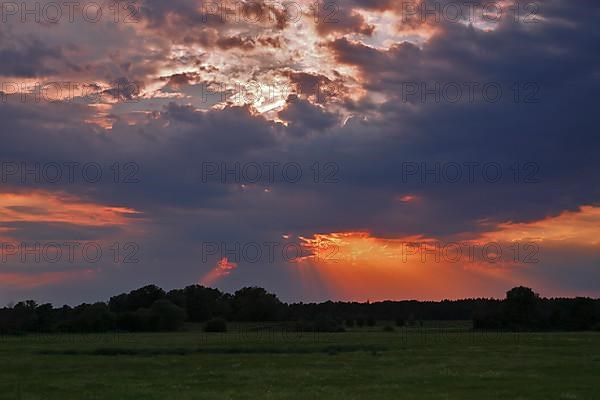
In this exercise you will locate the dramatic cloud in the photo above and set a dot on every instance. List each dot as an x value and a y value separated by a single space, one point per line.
228 144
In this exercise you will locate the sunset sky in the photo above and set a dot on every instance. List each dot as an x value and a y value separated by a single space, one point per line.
345 149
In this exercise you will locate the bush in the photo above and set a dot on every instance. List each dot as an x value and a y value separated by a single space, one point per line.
400 321
371 321
324 323
215 325
93 318
360 322
349 322
388 328
302 326
168 317
137 321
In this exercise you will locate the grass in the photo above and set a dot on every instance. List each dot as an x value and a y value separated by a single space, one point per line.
409 363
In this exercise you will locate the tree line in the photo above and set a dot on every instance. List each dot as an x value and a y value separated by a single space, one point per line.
150 308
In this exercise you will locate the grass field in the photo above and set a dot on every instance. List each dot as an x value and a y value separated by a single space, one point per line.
434 363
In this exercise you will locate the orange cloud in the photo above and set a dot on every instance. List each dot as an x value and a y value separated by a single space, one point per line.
48 207
45 207
221 270
359 266
30 281
580 227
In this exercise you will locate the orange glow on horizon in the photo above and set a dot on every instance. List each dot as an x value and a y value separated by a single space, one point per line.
358 265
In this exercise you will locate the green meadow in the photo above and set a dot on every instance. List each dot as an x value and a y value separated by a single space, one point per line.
249 363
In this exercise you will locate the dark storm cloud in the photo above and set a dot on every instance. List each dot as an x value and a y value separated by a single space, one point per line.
201 19
555 132
316 87
124 89
342 21
31 232
243 43
28 57
304 117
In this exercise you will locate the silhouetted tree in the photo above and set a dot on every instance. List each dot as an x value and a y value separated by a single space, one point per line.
168 316
137 321
201 303
521 308
255 304
119 303
150 309
92 318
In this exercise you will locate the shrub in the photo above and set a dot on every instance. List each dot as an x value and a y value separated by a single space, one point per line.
371 321
388 328
137 321
302 326
324 323
93 318
168 317
215 325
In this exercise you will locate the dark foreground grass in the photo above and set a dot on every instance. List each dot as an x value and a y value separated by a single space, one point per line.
407 364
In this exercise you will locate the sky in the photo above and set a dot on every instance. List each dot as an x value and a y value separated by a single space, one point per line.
345 150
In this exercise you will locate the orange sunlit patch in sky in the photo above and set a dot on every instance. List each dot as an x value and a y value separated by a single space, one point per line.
221 270
33 280
581 227
44 207
357 265
49 207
